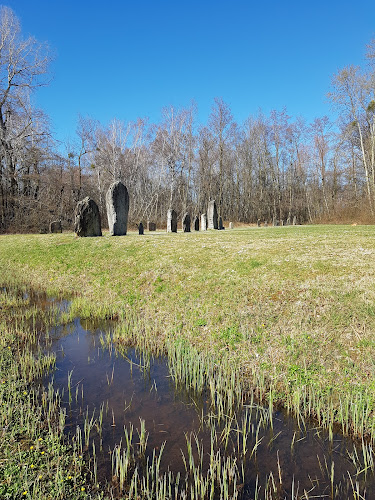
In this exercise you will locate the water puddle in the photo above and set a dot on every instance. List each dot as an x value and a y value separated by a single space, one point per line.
147 437
116 399
101 378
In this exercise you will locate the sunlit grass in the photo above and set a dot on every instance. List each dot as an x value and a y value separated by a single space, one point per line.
246 316
35 459
291 307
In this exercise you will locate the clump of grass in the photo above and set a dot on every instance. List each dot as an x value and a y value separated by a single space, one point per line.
201 371
36 460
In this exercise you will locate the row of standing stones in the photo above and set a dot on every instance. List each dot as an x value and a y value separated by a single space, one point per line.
209 221
88 223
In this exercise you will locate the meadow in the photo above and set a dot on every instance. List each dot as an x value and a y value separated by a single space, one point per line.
284 315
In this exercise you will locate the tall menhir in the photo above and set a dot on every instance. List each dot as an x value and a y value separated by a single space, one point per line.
117 202
212 218
171 221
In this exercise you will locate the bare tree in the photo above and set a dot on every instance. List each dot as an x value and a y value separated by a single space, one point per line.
23 63
353 93
221 125
87 144
173 150
321 137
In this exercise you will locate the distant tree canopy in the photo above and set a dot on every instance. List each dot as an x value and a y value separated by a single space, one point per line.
270 166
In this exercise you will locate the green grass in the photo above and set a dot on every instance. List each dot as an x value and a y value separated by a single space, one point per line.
36 461
292 307
282 315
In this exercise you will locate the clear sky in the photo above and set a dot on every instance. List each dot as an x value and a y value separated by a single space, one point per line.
129 58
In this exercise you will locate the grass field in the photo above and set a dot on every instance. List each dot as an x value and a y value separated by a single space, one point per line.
290 309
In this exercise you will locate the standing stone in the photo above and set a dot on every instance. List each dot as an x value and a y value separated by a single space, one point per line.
87 218
258 222
287 222
196 223
117 202
294 221
231 225
281 223
212 219
203 222
55 227
171 221
186 223
265 223
220 225
141 229
152 226
275 222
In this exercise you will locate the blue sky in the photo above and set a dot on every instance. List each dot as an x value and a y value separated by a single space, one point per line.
129 59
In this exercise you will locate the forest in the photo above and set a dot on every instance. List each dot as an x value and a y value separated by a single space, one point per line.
271 166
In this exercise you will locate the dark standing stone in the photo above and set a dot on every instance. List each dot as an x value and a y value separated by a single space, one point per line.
55 227
186 223
221 223
275 222
152 226
171 221
141 228
203 222
87 218
196 223
117 202
212 215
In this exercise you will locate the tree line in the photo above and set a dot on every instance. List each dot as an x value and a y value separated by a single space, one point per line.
272 166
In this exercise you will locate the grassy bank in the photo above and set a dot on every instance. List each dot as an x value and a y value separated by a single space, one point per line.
291 308
36 461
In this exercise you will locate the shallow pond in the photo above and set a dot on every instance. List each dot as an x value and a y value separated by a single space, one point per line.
106 394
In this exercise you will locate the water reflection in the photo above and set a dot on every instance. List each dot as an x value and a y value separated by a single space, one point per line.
101 378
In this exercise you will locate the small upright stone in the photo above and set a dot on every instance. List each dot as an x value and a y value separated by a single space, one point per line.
258 222
281 222
55 227
220 225
203 222
171 221
152 226
87 218
231 225
186 223
196 223
212 218
287 223
265 223
294 221
117 202
141 229
275 222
